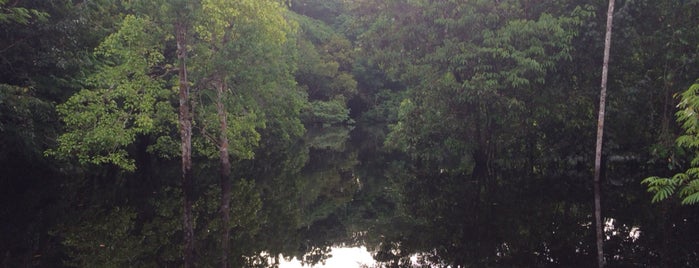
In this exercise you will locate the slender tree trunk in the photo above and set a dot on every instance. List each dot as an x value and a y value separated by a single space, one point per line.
185 124
666 230
225 173
600 131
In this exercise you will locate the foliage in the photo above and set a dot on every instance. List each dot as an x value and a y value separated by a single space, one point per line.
23 116
324 60
328 138
471 145
232 37
467 90
108 241
246 219
126 99
121 236
42 61
11 13
684 184
327 112
328 11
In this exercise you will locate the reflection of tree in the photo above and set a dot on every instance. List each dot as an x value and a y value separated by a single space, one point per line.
301 186
309 201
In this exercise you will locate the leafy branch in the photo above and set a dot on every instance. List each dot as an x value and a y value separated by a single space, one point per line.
685 184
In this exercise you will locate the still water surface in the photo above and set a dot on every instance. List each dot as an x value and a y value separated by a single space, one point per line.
354 185
341 258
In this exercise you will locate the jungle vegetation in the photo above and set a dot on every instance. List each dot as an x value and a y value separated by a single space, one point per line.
211 133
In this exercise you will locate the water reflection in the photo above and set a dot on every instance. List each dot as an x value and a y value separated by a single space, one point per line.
339 188
340 257
406 215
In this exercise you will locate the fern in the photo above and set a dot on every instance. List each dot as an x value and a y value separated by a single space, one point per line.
688 181
649 180
687 141
691 188
679 178
663 193
691 199
661 187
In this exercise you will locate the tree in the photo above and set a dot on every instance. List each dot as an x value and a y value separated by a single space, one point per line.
129 97
182 27
235 34
600 131
124 100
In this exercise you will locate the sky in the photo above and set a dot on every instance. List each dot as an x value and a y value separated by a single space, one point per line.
341 258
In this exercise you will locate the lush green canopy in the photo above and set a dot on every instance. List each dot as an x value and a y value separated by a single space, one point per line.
457 132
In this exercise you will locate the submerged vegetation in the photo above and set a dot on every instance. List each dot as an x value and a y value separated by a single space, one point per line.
206 133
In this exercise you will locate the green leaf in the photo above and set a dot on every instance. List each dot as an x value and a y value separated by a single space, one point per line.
691 199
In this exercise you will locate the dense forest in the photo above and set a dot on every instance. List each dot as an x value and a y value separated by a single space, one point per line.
204 133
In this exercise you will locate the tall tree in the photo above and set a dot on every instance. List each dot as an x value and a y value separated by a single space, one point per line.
129 96
600 131
233 35
185 125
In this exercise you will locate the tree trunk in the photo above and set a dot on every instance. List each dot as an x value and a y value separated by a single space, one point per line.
185 124
600 131
225 173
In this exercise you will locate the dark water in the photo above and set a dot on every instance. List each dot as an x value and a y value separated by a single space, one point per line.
357 193
341 187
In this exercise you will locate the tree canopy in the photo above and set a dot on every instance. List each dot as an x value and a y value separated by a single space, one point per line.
434 133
